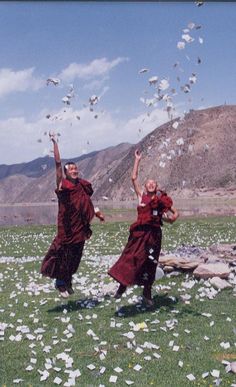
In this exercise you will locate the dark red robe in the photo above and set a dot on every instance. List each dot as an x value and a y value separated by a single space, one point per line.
75 212
138 261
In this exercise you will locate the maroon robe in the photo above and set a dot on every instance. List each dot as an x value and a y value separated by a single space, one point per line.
74 216
138 261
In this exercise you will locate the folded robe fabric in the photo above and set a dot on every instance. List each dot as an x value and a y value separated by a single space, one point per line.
138 261
75 212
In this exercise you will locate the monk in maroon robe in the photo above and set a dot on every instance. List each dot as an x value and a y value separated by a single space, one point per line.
138 262
74 216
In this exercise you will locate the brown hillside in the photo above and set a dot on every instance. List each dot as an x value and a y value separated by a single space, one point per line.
205 157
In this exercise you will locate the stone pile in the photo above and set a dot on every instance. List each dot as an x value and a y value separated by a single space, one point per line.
216 263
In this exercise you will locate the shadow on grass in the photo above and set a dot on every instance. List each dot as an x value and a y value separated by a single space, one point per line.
160 301
71 306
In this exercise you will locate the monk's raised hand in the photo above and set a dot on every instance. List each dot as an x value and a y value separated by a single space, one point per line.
52 136
138 154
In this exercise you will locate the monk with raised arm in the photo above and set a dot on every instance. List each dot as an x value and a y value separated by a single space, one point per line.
139 259
75 212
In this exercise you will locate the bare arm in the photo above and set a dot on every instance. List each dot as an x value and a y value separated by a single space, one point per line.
99 214
171 218
57 159
134 177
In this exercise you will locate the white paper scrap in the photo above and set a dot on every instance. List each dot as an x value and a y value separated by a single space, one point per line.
225 345
215 373
44 376
191 377
118 369
129 335
91 367
113 379
57 380
175 348
139 350
29 368
156 355
137 367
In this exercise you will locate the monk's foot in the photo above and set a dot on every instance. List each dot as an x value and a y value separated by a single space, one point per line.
63 292
61 287
147 296
69 289
120 291
149 301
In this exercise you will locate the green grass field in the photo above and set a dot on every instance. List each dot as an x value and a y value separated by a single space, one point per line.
93 340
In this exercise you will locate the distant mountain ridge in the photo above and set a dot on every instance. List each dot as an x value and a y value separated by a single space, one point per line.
188 154
37 167
34 181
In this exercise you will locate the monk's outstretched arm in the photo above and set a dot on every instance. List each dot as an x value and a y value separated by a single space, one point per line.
57 159
99 214
171 218
135 173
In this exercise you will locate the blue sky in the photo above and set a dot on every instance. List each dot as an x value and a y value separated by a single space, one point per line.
99 48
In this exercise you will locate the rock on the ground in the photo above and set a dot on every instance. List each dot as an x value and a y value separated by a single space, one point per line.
211 270
179 262
224 250
168 269
219 283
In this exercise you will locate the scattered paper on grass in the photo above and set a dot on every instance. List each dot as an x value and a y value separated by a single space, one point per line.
175 348
57 380
118 369
139 326
113 379
191 377
139 350
137 367
225 345
215 373
29 368
91 367
129 335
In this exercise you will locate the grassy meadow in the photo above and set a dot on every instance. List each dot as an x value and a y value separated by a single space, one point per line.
92 339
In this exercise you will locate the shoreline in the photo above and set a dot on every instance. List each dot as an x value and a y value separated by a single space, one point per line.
46 213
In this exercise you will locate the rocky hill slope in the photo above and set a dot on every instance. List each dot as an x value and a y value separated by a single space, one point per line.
183 155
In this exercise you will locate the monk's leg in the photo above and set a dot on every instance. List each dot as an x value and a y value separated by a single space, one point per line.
120 291
147 294
153 249
72 263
